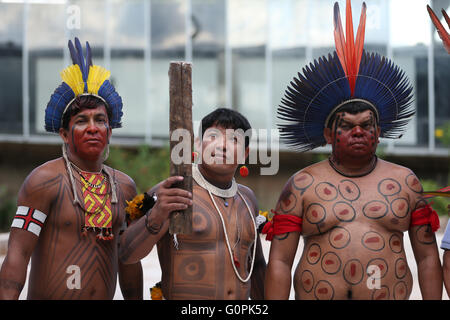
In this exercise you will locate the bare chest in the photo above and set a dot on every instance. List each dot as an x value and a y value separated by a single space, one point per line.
328 204
68 218
202 259
221 220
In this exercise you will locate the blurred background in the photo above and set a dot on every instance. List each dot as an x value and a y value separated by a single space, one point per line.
244 54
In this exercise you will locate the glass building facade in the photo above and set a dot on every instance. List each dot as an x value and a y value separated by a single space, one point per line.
244 54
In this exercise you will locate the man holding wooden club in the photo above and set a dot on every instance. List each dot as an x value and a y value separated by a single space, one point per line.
212 249
222 258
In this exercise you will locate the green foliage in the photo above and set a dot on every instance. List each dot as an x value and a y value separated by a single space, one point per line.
381 152
439 203
443 133
146 166
7 209
320 157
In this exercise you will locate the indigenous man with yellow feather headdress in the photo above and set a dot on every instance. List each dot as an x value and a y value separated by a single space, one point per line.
71 209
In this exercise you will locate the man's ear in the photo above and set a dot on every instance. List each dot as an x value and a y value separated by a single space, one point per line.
64 135
327 135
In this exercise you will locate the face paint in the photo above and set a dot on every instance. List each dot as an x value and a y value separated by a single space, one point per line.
74 145
89 133
355 137
337 141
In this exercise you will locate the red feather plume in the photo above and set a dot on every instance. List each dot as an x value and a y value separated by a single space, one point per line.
348 49
444 192
440 28
446 17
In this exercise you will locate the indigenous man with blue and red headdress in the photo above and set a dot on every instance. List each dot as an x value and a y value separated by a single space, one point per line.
71 209
353 208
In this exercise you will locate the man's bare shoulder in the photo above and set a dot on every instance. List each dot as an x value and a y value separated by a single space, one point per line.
46 172
306 176
120 176
42 184
126 183
395 170
248 192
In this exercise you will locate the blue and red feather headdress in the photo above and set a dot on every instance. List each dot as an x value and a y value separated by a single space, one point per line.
82 78
349 74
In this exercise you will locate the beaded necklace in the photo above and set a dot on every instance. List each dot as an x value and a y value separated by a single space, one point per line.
198 177
98 195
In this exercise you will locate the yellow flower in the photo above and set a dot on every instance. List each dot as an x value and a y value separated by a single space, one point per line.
439 133
265 214
134 207
156 292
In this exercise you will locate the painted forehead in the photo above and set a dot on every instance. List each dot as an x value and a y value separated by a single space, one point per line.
100 109
366 115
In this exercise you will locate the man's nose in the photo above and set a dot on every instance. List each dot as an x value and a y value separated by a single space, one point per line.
357 131
92 126
221 143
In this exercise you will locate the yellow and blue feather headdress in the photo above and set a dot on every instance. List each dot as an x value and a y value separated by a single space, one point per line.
82 78
350 74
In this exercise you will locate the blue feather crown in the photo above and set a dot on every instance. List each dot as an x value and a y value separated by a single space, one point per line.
82 78
313 96
350 74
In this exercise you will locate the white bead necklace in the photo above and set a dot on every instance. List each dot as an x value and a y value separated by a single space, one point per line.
227 193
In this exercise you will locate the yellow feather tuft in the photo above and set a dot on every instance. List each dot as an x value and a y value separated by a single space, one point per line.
97 75
74 79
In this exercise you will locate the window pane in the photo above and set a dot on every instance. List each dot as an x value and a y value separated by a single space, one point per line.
168 44
11 33
208 44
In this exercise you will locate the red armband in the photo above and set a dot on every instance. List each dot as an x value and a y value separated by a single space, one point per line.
282 223
425 215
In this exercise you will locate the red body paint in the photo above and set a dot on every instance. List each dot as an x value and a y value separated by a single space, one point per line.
338 237
323 291
372 240
381 296
89 133
352 269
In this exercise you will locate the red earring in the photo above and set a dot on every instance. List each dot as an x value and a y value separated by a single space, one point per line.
194 157
243 171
